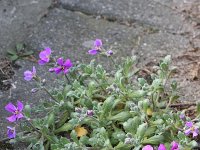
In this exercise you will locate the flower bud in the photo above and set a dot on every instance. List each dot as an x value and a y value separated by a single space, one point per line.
90 113
34 90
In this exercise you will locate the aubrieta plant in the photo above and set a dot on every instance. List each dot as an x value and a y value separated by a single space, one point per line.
93 109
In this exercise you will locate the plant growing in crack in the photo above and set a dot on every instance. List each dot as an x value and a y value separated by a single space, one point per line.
19 52
97 109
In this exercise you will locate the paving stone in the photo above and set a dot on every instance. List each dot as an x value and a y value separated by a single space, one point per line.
16 19
154 13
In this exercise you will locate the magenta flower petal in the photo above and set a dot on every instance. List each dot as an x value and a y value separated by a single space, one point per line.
93 52
10 107
194 134
162 147
48 50
187 132
20 105
12 118
20 115
63 66
68 63
42 55
51 69
189 124
66 71
27 73
147 147
60 61
41 62
57 70
11 133
174 146
97 43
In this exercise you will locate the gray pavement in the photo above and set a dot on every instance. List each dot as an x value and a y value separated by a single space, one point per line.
148 29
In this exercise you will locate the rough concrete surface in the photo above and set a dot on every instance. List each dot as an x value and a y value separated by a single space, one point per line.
16 19
148 29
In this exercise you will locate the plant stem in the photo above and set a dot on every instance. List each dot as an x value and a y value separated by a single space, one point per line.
50 94
67 79
113 62
152 101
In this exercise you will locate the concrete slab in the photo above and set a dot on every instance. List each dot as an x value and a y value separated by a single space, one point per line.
16 19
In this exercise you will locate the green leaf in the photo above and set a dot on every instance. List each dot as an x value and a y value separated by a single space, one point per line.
65 127
14 57
27 53
11 52
107 105
122 116
51 119
84 140
155 140
123 146
73 136
141 130
132 124
19 47
27 111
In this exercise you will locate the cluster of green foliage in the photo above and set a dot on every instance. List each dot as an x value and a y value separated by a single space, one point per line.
128 111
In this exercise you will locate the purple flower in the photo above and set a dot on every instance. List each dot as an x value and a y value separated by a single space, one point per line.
174 145
11 133
147 147
98 44
90 113
64 66
16 111
109 53
162 147
97 47
191 129
44 56
28 75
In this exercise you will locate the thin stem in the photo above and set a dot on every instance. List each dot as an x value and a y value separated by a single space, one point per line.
113 62
34 128
50 94
67 79
170 101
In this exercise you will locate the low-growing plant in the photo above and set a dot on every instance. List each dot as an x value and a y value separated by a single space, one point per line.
98 109
19 52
